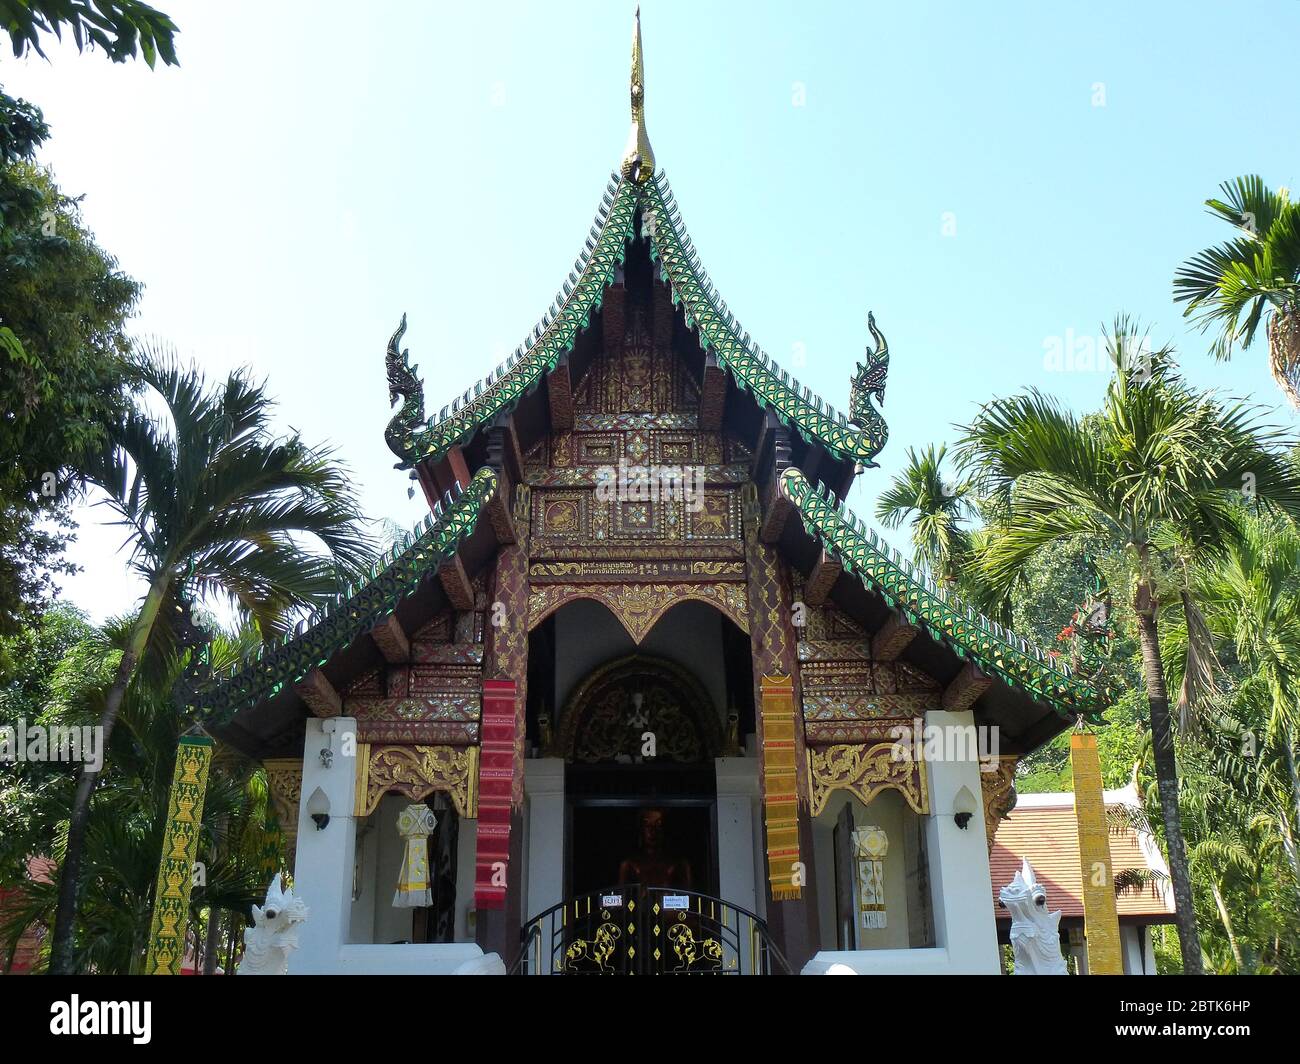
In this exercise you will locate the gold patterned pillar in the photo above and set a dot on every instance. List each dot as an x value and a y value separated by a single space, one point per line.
1100 918
792 914
171 907
284 780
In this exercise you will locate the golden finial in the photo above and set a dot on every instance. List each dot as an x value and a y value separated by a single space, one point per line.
639 158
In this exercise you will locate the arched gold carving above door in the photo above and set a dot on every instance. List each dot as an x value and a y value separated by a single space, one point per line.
638 607
605 721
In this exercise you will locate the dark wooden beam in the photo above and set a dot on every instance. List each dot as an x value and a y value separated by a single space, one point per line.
391 639
455 581
777 508
813 458
503 451
428 484
713 394
663 313
612 313
817 588
319 694
965 689
768 423
559 396
456 467
892 638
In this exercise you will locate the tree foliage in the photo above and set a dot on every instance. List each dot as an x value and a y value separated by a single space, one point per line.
64 305
120 28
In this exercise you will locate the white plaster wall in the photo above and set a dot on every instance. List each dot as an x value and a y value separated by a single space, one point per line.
323 876
964 925
362 924
391 925
887 811
738 875
466 848
544 815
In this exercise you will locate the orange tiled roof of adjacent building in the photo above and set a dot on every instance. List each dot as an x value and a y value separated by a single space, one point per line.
1042 827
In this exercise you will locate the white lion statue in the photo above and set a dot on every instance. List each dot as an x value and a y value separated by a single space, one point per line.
1035 933
274 933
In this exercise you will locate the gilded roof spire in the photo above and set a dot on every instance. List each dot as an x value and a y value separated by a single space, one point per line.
638 158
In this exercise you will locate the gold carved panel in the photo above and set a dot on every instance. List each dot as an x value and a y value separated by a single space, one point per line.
417 772
639 606
864 771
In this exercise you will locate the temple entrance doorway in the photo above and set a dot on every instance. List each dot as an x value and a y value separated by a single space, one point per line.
651 841
639 739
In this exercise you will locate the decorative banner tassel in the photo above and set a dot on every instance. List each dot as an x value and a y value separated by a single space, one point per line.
1100 919
495 786
171 907
870 845
415 824
780 797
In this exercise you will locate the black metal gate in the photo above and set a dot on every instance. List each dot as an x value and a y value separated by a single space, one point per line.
636 930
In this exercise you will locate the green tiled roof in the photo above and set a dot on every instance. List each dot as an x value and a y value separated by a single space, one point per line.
972 636
359 608
705 311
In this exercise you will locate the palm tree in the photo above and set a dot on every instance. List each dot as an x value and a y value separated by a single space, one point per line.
128 817
1234 286
936 508
1251 602
217 508
1159 461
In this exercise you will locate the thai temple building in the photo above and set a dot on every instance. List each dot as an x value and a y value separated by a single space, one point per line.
641 695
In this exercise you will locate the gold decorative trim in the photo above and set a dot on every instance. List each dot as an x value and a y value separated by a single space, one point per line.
284 781
864 771
998 788
417 772
639 607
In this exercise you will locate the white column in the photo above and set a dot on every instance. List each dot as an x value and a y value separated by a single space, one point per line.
1130 941
737 781
962 890
544 789
737 786
1148 952
323 867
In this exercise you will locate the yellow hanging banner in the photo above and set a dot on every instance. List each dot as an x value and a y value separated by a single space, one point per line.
1100 918
171 905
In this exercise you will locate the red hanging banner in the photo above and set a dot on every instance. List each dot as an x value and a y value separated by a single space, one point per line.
496 772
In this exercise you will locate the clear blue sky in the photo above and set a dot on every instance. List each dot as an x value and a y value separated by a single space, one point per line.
311 171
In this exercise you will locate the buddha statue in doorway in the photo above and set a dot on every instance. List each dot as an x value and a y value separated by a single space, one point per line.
651 865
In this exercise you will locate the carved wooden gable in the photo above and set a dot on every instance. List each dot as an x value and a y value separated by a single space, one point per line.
433 697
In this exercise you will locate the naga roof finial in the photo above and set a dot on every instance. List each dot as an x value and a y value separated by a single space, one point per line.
869 383
404 383
638 158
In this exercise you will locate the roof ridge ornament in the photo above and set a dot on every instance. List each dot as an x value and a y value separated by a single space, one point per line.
638 163
869 382
403 381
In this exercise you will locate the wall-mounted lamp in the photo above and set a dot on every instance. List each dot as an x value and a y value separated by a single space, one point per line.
318 808
963 807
